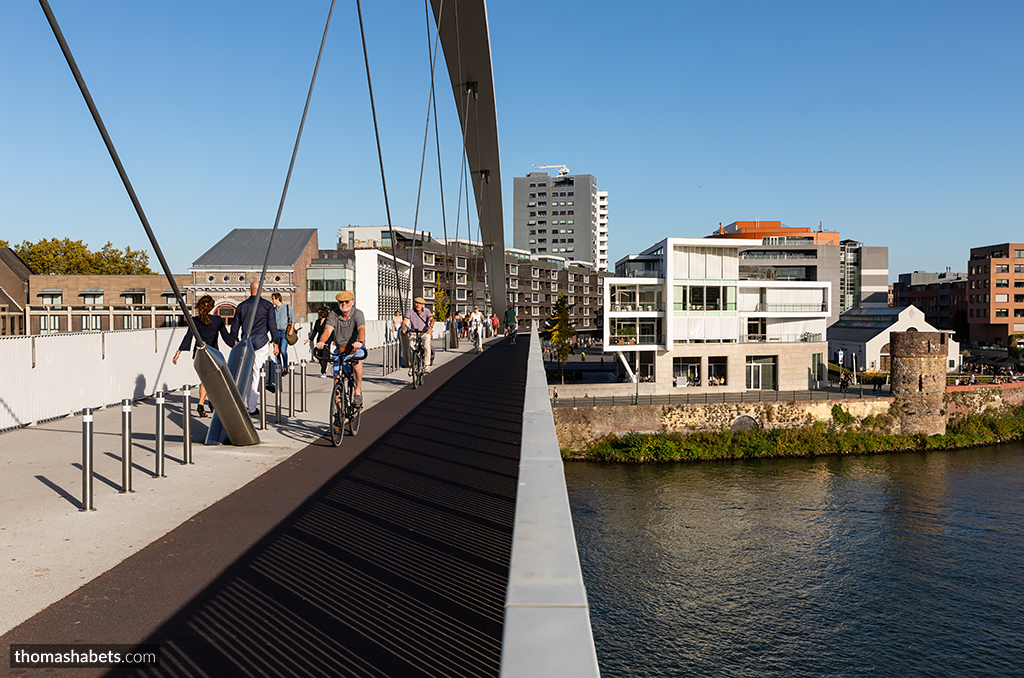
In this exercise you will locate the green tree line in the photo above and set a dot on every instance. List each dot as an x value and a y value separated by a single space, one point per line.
73 257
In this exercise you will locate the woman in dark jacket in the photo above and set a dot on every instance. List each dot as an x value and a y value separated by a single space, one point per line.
210 326
323 356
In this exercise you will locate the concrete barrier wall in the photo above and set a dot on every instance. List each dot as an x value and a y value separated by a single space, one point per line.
547 618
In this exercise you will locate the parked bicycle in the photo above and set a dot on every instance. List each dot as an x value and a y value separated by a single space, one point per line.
418 341
343 410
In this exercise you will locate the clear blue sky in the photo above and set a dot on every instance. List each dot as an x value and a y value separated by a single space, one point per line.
895 123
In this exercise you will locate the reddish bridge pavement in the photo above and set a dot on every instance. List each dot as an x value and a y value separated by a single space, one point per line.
388 556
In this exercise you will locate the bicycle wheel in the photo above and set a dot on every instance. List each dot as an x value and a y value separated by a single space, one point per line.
336 423
353 411
417 369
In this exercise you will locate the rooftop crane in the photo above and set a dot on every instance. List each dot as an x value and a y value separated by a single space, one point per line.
562 169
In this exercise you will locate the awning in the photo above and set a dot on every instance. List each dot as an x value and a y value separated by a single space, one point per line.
134 290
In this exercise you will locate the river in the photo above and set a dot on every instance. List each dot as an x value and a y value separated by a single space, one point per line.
888 565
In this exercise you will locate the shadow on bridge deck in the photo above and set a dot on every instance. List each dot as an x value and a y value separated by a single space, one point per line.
388 556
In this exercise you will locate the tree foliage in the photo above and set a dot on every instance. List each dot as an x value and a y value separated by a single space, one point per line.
441 305
73 257
559 332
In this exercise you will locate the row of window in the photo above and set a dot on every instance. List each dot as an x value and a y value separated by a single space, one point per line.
997 313
134 299
49 324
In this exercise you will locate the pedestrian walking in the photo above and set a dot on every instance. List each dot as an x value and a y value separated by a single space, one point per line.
264 331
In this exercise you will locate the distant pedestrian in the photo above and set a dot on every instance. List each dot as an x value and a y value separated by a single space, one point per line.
285 318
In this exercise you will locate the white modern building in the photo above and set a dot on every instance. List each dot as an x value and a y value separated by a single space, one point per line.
682 315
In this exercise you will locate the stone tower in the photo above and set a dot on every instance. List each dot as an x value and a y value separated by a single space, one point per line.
919 380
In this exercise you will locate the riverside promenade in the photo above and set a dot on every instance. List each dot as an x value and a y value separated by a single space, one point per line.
386 556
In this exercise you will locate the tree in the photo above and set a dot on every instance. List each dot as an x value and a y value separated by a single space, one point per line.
559 332
72 257
441 305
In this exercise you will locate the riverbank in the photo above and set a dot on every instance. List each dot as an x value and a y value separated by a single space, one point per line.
844 434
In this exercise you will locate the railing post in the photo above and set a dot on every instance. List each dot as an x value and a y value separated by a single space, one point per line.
291 394
276 376
186 425
302 386
160 434
87 460
126 446
263 398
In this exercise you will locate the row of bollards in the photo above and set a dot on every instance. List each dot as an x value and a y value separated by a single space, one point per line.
159 448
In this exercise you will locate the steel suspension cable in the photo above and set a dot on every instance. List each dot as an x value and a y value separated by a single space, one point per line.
291 165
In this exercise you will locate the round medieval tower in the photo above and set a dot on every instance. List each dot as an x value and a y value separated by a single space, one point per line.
919 380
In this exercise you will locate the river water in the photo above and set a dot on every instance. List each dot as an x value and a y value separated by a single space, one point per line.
889 565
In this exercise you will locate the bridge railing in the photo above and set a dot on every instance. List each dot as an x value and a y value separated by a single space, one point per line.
48 376
547 617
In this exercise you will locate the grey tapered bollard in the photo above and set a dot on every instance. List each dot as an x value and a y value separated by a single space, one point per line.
126 446
263 399
186 425
160 434
87 460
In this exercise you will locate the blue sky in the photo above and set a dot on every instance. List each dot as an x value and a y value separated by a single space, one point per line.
895 123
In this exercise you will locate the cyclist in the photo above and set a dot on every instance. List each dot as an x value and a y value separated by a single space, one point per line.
476 328
348 328
511 324
420 319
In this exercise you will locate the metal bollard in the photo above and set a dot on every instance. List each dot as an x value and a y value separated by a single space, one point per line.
277 393
87 460
302 386
160 434
263 399
186 425
126 446
291 394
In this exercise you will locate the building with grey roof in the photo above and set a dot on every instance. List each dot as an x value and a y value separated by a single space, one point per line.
226 270
862 335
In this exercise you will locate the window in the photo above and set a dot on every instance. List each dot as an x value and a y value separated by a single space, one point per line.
51 298
718 370
131 322
92 299
49 324
1018 313
1002 268
513 284
428 259
1002 282
1018 254
513 269
428 276
1002 298
1018 268
460 278
91 323
460 295
136 299
1002 313
686 371
761 371
460 262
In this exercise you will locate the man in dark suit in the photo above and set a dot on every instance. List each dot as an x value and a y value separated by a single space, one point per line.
264 330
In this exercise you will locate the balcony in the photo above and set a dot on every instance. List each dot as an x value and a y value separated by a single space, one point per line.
790 308
634 340
780 338
637 308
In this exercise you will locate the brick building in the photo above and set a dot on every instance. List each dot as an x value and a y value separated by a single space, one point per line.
995 303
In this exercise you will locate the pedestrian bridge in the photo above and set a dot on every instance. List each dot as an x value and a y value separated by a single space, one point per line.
437 542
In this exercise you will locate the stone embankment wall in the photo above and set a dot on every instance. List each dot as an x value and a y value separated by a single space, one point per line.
577 427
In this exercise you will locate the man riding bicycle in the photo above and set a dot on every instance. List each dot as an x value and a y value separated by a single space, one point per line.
420 319
511 324
348 328
476 328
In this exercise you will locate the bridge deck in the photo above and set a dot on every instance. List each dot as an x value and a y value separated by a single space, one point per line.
387 556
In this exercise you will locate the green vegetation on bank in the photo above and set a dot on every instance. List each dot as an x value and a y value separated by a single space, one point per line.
843 435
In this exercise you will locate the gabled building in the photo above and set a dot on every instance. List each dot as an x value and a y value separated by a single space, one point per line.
227 269
683 313
862 335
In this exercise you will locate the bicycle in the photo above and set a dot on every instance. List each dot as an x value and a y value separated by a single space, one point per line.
342 408
418 358
510 331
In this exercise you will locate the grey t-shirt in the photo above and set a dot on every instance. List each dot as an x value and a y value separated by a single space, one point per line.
345 331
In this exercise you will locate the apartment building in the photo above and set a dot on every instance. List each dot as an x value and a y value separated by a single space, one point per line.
683 313
859 275
563 215
995 294
533 282
941 296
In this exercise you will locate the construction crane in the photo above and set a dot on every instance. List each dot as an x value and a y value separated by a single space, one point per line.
562 169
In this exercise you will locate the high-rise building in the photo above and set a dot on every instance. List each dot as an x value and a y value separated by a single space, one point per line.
859 274
563 215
